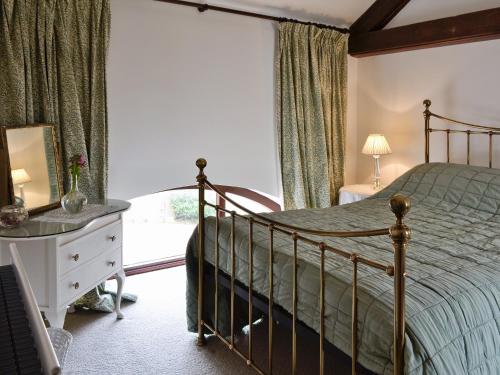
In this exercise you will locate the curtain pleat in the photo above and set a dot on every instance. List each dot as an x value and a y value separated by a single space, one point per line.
311 82
53 70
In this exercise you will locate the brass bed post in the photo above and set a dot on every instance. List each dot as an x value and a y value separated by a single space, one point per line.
490 151
427 116
201 179
271 299
354 313
400 235
468 147
250 289
294 304
322 248
447 145
216 273
233 276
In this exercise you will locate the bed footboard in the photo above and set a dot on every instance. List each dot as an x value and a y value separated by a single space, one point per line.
399 233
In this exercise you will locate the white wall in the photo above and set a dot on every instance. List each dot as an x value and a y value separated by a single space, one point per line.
183 85
462 81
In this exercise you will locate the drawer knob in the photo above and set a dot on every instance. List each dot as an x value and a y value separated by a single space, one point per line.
112 238
76 285
111 263
76 257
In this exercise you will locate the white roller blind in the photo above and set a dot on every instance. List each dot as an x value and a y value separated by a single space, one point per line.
183 85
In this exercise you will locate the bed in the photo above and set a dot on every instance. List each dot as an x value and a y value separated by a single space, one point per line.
433 309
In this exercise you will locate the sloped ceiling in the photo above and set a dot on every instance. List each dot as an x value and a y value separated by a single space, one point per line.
345 12
426 10
337 12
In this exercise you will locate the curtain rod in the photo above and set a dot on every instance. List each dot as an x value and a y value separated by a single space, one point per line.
205 7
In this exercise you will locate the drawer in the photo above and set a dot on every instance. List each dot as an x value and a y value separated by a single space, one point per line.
77 252
84 278
93 226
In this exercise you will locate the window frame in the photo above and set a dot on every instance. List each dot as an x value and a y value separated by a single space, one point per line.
252 195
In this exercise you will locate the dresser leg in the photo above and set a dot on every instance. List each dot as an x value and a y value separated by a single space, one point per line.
56 318
71 309
120 279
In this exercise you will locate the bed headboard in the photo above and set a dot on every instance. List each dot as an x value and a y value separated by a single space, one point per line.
473 129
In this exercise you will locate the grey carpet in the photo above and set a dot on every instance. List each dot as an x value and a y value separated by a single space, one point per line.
152 339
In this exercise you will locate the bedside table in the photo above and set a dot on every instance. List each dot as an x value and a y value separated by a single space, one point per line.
354 193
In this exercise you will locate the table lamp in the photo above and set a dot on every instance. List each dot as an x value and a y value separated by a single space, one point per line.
376 145
19 178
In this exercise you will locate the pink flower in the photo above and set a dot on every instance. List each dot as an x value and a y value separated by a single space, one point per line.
76 162
81 161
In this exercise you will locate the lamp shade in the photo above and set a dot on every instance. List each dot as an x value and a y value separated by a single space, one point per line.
20 176
376 144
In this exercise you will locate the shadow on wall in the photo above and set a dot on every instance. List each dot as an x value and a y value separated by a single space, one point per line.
460 84
405 140
396 110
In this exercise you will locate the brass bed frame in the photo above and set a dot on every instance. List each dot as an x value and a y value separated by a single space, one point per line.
490 131
399 233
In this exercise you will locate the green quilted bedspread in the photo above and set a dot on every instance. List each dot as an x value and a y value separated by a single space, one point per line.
453 272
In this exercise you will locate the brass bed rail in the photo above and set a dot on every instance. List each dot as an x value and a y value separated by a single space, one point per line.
490 131
399 233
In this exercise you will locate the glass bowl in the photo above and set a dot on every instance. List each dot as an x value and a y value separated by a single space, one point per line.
12 216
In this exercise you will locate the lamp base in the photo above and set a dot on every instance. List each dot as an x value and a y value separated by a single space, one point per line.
376 173
376 184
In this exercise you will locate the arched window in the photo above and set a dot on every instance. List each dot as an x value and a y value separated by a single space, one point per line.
158 226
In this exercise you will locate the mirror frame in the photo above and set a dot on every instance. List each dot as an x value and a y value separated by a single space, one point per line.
5 159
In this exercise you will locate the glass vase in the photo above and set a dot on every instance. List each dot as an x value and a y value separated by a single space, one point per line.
75 200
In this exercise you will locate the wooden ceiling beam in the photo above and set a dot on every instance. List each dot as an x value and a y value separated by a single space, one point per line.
465 28
378 15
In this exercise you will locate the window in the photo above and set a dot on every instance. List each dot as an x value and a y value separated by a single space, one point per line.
158 226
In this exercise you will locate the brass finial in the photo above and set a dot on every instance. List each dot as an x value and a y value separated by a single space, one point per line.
201 164
427 104
400 205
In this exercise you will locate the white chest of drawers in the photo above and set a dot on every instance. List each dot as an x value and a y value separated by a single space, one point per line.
65 262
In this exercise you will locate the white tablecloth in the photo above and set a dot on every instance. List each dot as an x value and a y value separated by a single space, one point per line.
354 193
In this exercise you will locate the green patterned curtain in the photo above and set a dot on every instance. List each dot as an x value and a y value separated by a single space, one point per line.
311 83
53 70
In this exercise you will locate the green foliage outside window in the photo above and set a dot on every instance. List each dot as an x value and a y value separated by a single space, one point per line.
185 208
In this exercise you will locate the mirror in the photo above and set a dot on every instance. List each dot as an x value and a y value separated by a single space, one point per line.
34 166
